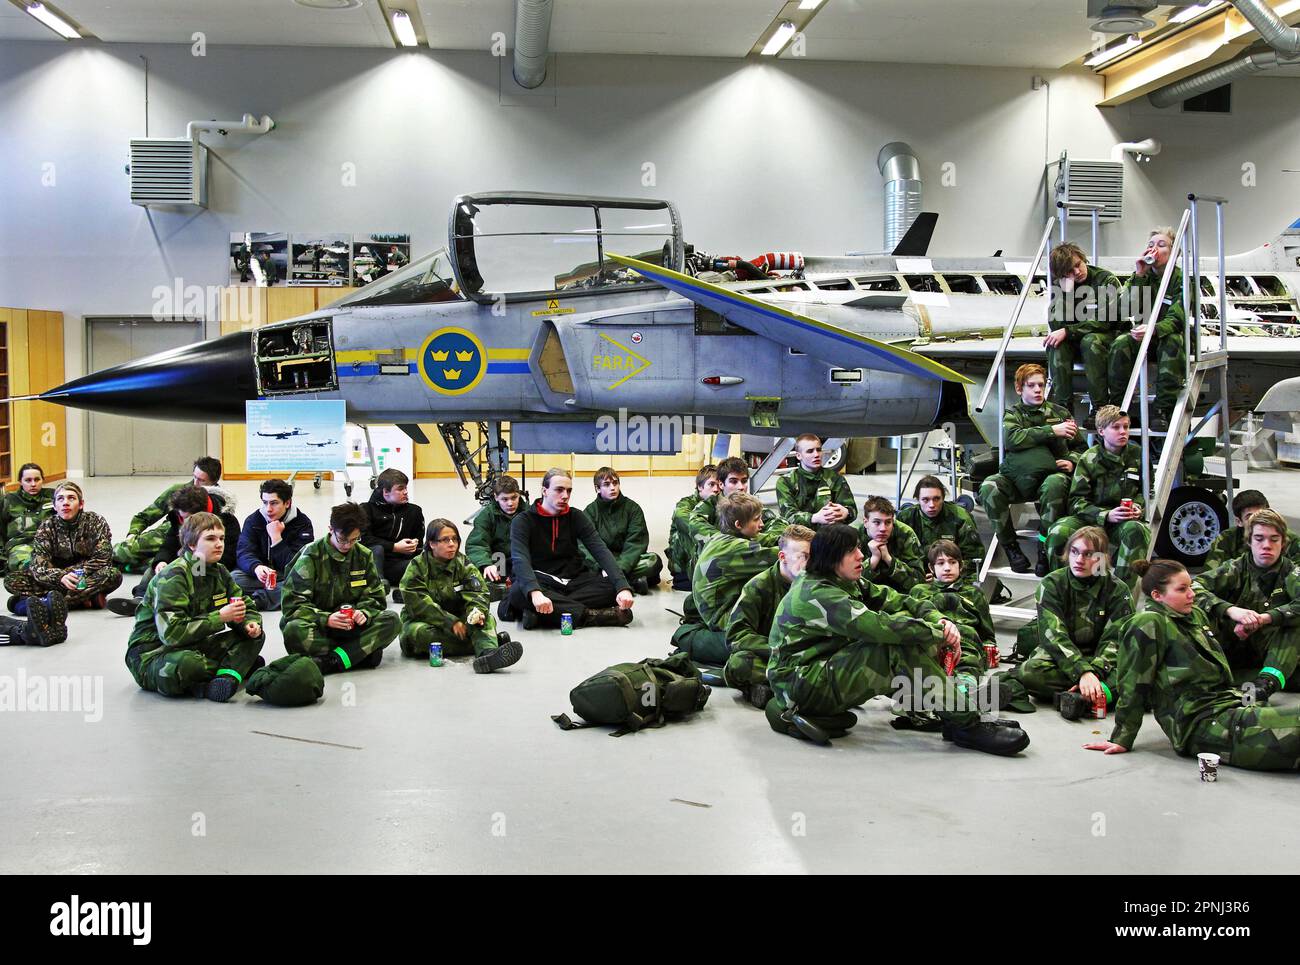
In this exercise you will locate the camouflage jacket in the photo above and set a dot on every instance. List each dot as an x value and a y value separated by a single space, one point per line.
702 522
1032 446
953 523
963 603
59 547
750 620
1080 621
621 524
489 540
1239 582
1172 317
801 493
441 593
681 544
907 562
320 579
1102 479
1092 308
1231 543
182 603
820 616
725 565
155 511
1173 665
21 514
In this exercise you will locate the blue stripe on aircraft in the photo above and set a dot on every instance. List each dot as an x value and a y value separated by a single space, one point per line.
507 368
368 369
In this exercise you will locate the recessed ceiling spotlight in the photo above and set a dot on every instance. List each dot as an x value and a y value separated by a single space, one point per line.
329 4
1123 18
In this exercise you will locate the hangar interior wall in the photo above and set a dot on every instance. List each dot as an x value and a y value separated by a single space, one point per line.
758 156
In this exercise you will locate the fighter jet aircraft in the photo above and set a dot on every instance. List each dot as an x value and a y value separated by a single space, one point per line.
550 312
321 445
286 434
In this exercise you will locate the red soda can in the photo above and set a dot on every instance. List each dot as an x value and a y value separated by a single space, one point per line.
991 651
346 610
1099 706
950 660
1126 503
270 581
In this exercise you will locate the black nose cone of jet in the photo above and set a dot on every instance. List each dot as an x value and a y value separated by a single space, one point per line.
203 382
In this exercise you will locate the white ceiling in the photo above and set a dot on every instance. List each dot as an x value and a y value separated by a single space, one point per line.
1005 33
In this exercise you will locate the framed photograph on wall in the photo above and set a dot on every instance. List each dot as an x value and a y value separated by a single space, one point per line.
259 258
376 255
320 259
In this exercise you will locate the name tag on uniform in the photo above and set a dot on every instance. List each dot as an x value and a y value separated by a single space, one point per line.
459 587
220 600
1133 475
357 583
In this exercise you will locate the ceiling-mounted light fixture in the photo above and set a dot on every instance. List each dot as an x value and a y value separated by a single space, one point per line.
404 29
1191 13
1121 16
52 20
1110 53
779 39
809 4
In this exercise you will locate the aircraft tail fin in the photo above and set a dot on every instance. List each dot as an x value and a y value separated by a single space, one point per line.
916 242
822 340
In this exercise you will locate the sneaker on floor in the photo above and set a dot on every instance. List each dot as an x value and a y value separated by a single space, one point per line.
221 688
499 658
12 604
530 619
123 606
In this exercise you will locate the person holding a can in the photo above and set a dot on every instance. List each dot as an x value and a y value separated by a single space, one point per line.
270 539
954 593
1171 662
332 573
1255 601
1107 491
446 603
1070 649
72 553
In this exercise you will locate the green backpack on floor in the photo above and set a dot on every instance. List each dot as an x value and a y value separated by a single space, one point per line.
631 696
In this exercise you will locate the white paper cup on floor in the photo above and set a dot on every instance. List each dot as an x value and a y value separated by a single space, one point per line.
1209 767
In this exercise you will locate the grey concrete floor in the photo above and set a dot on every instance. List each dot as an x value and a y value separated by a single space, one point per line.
409 768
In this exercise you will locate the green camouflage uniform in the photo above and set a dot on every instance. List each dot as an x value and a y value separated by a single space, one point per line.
437 594
1166 348
1101 480
145 535
953 522
1173 665
964 604
907 561
59 548
321 579
292 681
831 651
1275 591
179 642
725 565
20 514
681 544
1090 316
1028 471
1231 543
800 494
1077 631
489 540
748 627
621 525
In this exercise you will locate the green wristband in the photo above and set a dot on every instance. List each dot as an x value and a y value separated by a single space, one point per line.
1106 690
347 664
230 673
1276 673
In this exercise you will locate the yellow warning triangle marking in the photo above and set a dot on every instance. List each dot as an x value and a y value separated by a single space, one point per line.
552 304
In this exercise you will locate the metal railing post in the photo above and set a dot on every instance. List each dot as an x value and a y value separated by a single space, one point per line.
1096 223
1146 446
1139 365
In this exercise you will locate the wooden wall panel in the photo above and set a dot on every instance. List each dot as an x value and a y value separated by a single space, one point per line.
35 363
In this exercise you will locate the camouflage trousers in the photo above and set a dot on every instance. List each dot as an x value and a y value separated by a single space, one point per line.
302 636
1171 367
1042 677
744 668
176 673
415 638
1129 542
701 644
998 492
649 566
106 580
1258 737
291 681
18 558
134 553
1095 350
1276 647
861 670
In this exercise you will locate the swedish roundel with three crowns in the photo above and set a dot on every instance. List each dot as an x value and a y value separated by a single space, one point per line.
452 361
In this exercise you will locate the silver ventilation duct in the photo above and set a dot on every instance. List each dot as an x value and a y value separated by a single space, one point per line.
1284 49
532 41
901 170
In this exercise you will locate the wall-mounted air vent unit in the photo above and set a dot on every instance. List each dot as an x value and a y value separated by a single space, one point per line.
1089 182
169 171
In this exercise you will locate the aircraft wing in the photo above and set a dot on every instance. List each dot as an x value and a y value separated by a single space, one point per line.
829 343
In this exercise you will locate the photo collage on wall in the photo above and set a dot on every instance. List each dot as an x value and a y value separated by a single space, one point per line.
274 259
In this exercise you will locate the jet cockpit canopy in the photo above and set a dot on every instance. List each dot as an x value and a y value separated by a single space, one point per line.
532 245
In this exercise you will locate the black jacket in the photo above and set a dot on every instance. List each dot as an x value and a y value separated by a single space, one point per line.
388 523
255 546
171 544
549 544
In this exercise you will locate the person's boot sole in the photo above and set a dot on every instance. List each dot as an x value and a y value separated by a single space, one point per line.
38 623
503 656
123 607
221 689
759 695
58 613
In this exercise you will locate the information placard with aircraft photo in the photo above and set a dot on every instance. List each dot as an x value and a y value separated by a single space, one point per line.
283 436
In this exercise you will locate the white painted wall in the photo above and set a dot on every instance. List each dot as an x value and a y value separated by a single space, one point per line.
756 155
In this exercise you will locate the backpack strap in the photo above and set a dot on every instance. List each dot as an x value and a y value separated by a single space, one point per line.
565 722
